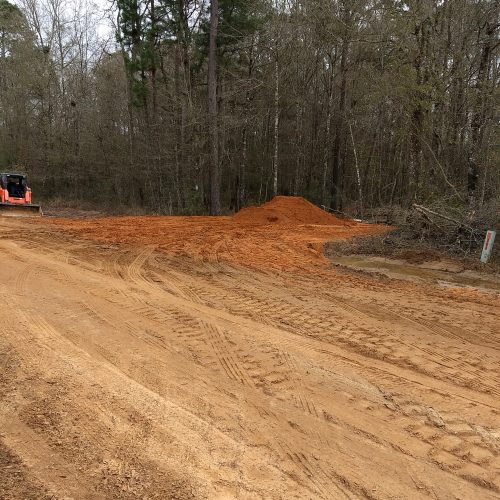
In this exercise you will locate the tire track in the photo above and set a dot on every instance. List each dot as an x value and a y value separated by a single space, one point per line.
134 269
216 337
298 386
320 482
225 357
458 369
22 278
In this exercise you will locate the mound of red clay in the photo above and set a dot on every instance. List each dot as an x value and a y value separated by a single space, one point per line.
287 233
287 210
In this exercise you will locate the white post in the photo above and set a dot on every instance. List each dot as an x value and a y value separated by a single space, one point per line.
488 246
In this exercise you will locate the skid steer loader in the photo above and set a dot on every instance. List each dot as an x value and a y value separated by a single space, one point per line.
15 196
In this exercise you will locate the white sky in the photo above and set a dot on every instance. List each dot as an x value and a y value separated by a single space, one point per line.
105 10
107 7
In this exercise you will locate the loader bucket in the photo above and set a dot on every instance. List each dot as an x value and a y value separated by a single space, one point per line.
20 210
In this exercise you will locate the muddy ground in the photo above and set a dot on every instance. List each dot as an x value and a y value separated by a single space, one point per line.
201 358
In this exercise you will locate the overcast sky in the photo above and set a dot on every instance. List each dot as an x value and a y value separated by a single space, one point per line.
104 8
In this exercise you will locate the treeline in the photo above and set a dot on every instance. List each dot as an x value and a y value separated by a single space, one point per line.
354 104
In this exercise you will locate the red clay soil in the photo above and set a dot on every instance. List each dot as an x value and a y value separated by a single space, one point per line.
287 233
126 373
288 210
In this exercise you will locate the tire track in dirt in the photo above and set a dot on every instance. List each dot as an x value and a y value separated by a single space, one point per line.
135 267
321 481
134 271
113 269
306 406
214 335
396 312
457 367
471 462
281 325
469 337
298 320
22 278
65 276
225 357
298 385
179 284
234 369
125 325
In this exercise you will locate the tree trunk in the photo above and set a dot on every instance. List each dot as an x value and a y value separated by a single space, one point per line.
480 115
276 126
339 140
358 173
215 208
327 138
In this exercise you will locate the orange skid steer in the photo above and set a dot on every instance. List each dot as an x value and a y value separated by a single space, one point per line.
15 196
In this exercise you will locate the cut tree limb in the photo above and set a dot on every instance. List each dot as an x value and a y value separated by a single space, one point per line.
426 211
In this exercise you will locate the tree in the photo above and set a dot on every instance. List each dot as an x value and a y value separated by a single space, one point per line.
212 111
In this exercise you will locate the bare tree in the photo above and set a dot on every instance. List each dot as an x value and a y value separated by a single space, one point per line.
215 208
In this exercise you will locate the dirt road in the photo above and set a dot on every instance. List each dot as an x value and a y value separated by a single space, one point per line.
127 371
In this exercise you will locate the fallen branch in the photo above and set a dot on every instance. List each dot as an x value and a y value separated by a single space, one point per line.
425 210
327 209
430 221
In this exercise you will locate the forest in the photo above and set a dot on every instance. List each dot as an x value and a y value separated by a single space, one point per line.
198 106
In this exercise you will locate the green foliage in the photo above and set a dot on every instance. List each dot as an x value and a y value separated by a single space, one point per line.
238 19
13 27
9 14
136 33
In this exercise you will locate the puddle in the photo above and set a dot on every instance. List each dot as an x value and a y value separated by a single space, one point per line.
444 273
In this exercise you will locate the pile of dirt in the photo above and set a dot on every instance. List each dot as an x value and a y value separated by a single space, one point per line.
288 233
288 210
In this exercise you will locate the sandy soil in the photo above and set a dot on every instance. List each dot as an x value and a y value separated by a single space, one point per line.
194 358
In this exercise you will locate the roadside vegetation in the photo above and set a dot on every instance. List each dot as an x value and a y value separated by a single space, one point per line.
422 234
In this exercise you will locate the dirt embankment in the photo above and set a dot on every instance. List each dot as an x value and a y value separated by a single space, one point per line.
132 373
285 233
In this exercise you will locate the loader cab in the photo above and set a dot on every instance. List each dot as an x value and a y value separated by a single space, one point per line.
14 187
